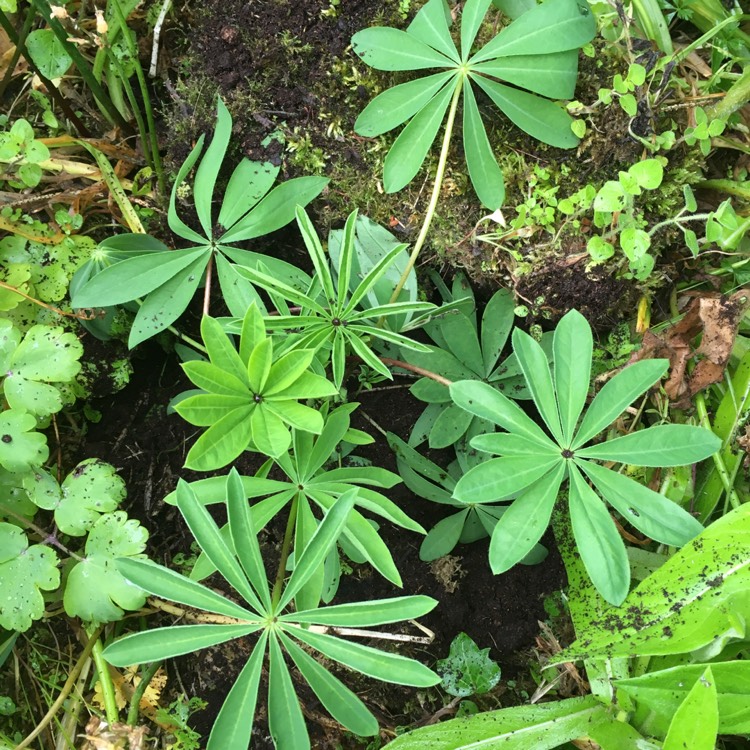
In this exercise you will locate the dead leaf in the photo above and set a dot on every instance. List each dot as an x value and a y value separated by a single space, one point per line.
713 317
7 50
102 736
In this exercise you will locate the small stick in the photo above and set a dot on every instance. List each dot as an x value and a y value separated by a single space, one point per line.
157 35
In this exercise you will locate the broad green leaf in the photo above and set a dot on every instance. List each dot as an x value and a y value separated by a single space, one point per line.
572 347
442 538
449 426
21 447
319 546
370 661
497 322
486 402
268 432
511 444
486 176
220 349
214 379
276 209
616 395
431 25
164 305
337 699
244 536
173 587
398 104
651 513
134 277
210 540
90 489
384 48
221 443
524 522
468 670
24 573
664 691
533 362
540 118
696 721
208 170
206 409
409 150
176 224
661 445
553 26
365 614
234 723
287 370
472 16
550 75
543 726
48 53
285 720
249 182
692 600
95 590
599 543
166 643
501 478
46 353
39 399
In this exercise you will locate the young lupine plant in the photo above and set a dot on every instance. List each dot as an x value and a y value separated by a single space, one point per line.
265 616
166 280
471 522
249 399
308 485
534 463
465 351
537 52
330 318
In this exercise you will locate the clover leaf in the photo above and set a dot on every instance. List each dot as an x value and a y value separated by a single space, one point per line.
47 354
92 488
24 573
21 447
533 465
536 52
96 591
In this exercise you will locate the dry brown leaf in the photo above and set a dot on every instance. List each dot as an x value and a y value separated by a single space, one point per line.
102 736
715 318
7 50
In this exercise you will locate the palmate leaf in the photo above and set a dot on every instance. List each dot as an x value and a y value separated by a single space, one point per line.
233 726
528 456
513 56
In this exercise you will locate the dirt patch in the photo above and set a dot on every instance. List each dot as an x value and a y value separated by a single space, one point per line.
552 291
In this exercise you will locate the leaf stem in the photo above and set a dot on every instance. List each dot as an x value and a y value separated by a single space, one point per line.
286 547
105 680
419 370
135 701
435 191
721 469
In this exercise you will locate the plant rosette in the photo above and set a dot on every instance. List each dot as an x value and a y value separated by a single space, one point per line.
533 464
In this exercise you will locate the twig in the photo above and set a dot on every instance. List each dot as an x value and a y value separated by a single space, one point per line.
157 36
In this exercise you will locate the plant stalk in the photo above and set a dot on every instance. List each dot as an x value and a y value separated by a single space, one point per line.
135 701
105 680
435 192
721 469
286 548
737 96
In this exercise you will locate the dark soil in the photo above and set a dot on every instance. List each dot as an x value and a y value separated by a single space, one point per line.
500 612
